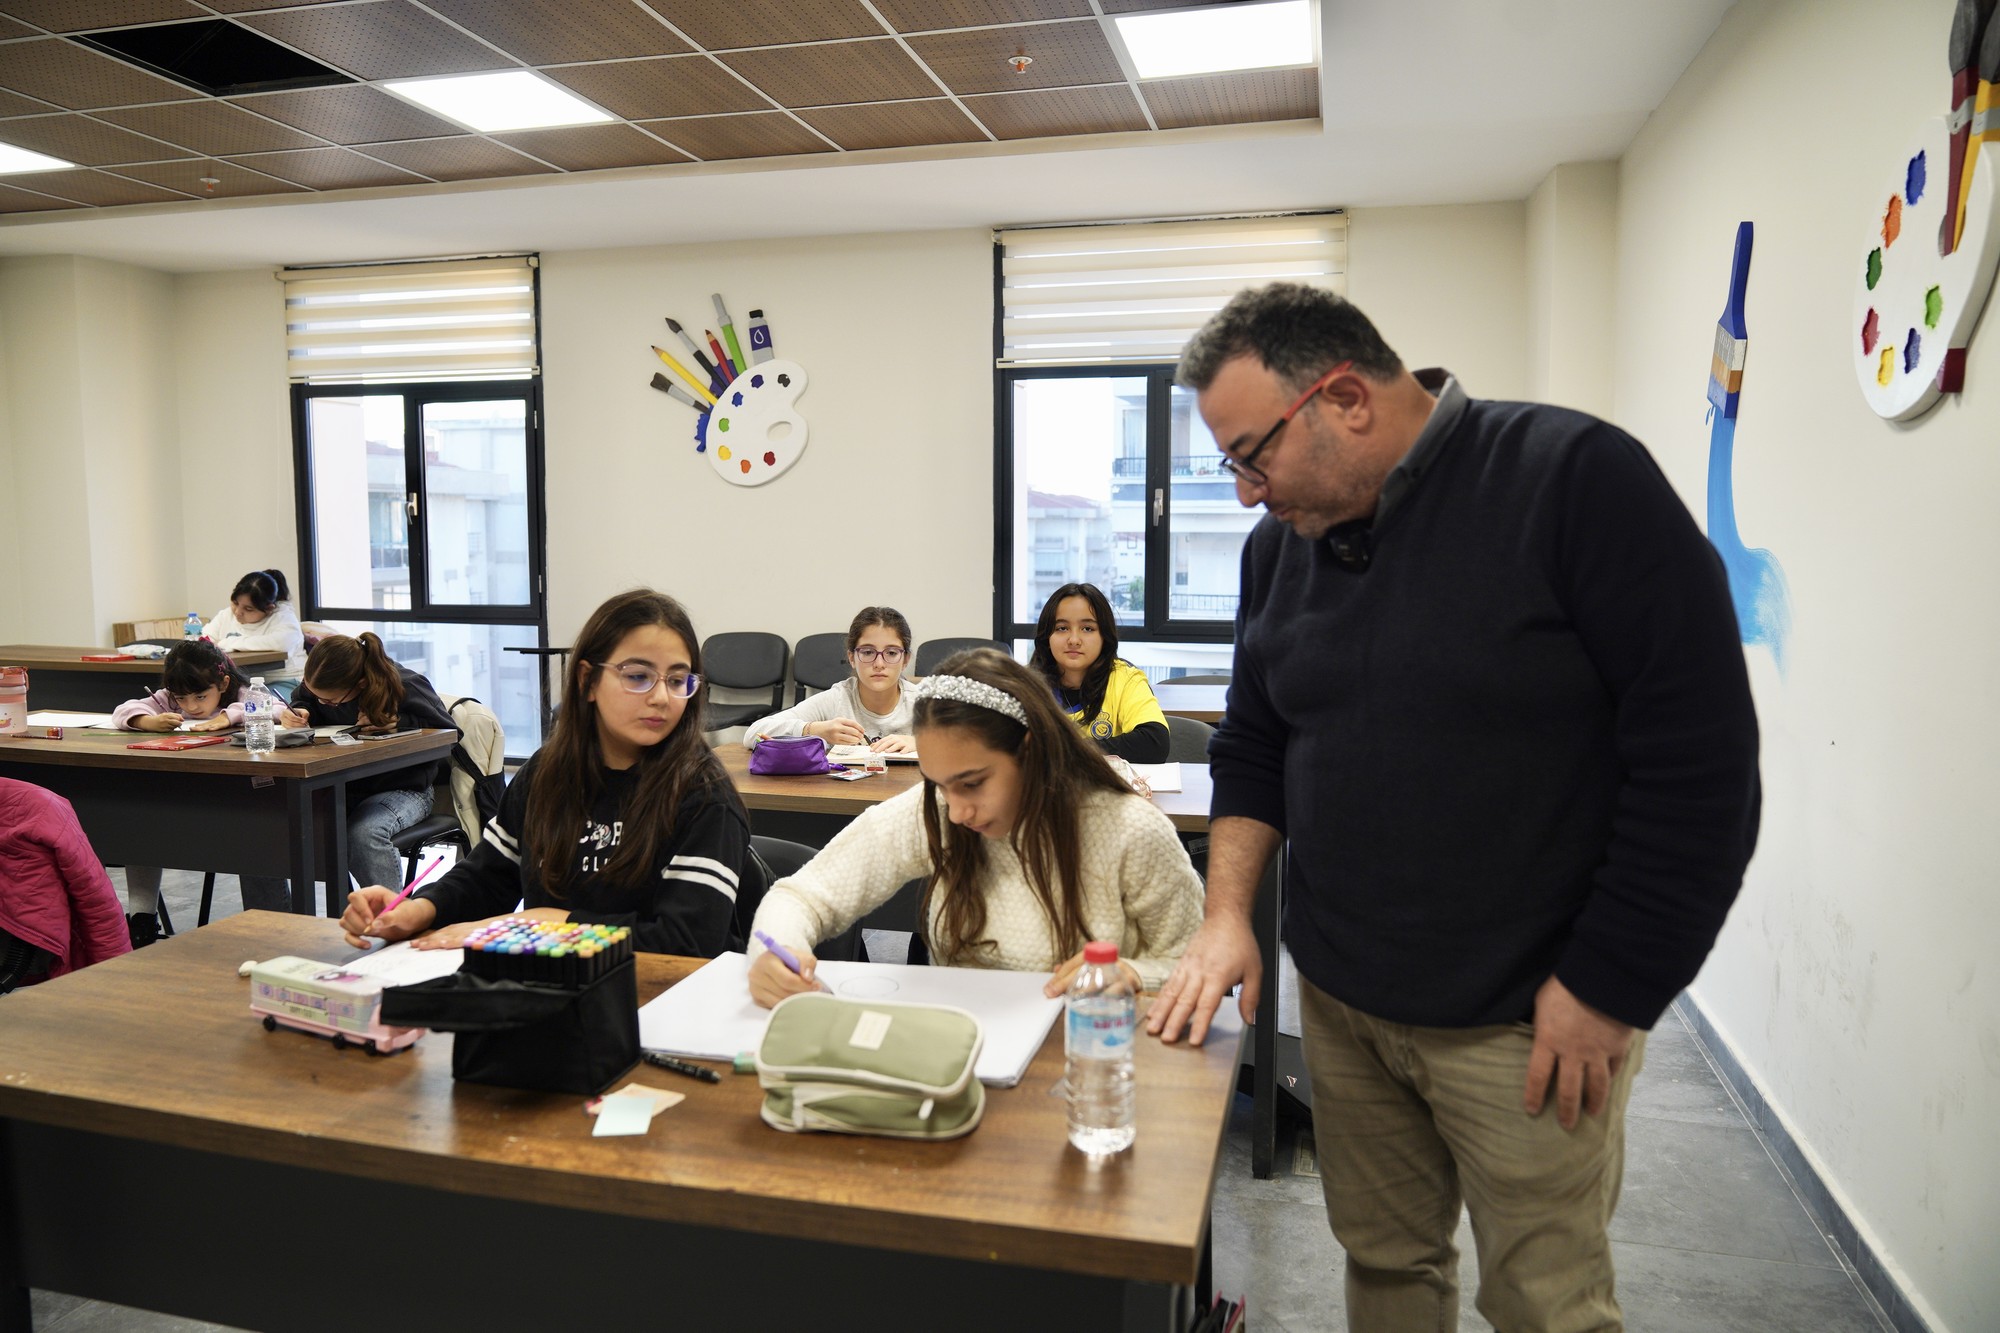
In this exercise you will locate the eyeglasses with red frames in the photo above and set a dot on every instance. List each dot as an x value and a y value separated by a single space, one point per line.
1242 468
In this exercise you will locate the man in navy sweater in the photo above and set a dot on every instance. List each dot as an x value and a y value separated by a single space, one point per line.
1488 683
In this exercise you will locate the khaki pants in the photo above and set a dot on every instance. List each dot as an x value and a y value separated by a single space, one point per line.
1409 1121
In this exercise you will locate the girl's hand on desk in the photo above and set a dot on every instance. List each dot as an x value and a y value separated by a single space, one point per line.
771 981
838 731
292 717
895 745
363 919
157 722
216 723
1067 973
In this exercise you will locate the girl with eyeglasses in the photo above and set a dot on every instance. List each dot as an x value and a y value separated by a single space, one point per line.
1028 844
872 706
624 816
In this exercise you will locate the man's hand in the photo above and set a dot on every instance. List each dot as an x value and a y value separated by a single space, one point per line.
1580 1048
1222 953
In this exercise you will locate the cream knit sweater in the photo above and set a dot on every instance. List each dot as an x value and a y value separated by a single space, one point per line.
1138 886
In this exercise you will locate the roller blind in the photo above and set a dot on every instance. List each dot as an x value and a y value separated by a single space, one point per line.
1136 292
450 319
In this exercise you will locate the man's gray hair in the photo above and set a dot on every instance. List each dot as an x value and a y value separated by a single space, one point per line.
1297 332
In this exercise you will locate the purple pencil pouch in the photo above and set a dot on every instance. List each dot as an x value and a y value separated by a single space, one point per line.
783 755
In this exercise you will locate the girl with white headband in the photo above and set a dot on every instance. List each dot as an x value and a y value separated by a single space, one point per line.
1028 844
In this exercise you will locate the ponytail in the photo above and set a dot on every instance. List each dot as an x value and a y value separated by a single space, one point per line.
364 666
264 587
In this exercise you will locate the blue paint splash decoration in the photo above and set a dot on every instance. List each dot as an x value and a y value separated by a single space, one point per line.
1913 180
1756 580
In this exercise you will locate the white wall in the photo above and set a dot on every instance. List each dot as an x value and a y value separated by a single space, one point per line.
10 488
1857 977
1447 286
1572 272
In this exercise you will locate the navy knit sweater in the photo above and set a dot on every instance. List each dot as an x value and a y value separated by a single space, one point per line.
1519 741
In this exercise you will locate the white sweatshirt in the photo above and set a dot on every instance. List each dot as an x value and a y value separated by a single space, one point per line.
1138 886
843 700
278 632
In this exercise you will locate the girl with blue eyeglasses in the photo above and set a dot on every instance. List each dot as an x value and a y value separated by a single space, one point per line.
872 707
624 817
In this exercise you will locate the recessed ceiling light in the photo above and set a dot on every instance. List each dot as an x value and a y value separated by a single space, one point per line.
14 159
1218 39
509 100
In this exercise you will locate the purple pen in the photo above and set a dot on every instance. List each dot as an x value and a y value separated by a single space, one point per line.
782 954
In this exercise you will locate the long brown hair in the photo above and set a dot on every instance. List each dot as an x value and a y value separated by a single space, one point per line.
363 665
1059 768
1097 676
569 770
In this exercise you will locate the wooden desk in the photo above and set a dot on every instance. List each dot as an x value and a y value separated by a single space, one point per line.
57 678
1200 702
158 1148
216 808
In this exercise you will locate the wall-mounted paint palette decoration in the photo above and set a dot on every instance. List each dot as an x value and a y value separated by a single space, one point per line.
1924 273
749 425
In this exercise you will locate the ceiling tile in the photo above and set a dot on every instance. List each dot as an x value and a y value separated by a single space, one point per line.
1233 99
462 158
231 181
350 115
542 33
834 73
893 124
13 104
673 86
25 201
1141 6
9 28
383 39
327 169
759 134
920 15
69 75
1065 55
82 140
1059 111
211 127
593 147
95 187
83 15
245 6
723 24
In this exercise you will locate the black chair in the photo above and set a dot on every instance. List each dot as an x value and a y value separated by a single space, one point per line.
779 859
439 828
1219 678
21 961
933 651
1187 740
819 662
746 660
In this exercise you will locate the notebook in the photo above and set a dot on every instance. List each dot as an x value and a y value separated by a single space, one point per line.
710 1015
856 755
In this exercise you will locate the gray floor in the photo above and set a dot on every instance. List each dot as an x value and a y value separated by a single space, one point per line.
1709 1236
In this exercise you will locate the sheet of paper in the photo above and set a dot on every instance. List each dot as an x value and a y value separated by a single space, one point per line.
660 1098
855 755
1160 777
710 1015
55 717
623 1115
401 965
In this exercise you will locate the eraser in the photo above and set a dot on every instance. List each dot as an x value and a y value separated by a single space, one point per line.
248 964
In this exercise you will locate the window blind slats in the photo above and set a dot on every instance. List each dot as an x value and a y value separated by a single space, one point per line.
441 320
1138 292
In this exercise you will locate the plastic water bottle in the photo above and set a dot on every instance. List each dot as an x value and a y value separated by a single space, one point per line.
260 719
1103 1012
192 628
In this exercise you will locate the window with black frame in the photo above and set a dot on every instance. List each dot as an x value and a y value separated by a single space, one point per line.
1106 473
416 425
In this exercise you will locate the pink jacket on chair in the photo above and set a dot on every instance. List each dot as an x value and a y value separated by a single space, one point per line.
53 891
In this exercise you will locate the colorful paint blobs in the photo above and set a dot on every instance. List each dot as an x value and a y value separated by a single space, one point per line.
745 465
736 400
1885 370
1913 179
1892 221
1933 307
1871 333
756 381
722 452
770 459
1874 267
1913 351
722 424
766 432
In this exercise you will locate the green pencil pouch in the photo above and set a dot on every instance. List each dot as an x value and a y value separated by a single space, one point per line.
870 1067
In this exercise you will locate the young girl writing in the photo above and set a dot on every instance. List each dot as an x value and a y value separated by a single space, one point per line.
871 707
260 616
1076 651
199 687
623 817
349 681
1029 845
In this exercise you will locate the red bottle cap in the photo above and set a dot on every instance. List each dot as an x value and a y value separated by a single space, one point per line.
1101 951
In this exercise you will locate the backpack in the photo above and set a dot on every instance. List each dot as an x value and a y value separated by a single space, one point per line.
478 765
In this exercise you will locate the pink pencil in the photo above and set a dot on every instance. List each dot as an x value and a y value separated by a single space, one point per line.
397 901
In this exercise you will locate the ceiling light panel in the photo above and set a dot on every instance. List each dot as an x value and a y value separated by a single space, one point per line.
493 103
1218 39
20 160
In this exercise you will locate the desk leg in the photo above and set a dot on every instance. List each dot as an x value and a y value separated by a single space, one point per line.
299 824
337 874
17 1309
1265 917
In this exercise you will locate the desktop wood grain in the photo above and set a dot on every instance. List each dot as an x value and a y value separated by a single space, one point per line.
160 1046
92 748
54 657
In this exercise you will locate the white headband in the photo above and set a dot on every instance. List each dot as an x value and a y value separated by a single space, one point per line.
965 690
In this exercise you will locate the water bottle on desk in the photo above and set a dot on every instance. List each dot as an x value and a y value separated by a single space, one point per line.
260 719
192 628
1097 1037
